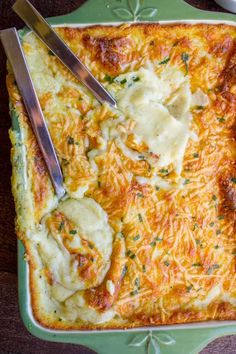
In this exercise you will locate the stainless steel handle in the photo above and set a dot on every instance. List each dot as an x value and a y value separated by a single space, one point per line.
16 57
44 31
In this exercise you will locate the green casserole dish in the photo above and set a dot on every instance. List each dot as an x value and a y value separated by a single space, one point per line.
185 339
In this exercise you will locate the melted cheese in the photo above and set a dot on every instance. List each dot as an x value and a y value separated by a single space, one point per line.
172 259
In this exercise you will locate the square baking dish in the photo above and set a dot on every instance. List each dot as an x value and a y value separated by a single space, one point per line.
184 339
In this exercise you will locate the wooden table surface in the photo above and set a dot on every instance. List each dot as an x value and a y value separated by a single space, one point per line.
14 338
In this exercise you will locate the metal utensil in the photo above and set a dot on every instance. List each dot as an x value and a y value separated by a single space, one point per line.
16 57
44 31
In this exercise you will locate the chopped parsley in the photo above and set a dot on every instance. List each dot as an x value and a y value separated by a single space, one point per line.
73 232
221 217
153 243
218 232
135 79
158 239
214 197
130 254
140 217
164 171
233 179
189 288
134 292
109 79
195 226
197 241
70 140
137 283
196 155
164 61
123 81
166 263
197 265
136 238
186 181
157 188
216 247
221 119
141 157
144 268
199 108
124 271
185 58
212 224
61 225
140 195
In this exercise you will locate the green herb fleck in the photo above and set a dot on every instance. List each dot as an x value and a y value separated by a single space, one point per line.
135 79
212 224
153 243
61 225
140 217
141 157
196 155
158 239
189 288
140 195
99 184
137 283
233 179
144 268
200 108
164 61
216 247
164 171
134 292
124 271
187 181
197 265
123 81
136 238
70 140
197 241
221 119
221 217
166 263
130 254
157 188
109 79
121 235
218 232
214 197
73 232
195 226
185 58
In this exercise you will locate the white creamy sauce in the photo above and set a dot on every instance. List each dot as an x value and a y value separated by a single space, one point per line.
159 106
91 224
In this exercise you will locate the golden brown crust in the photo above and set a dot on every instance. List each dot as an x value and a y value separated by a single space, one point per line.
197 226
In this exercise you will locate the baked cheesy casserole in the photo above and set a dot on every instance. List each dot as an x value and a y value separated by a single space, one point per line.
146 233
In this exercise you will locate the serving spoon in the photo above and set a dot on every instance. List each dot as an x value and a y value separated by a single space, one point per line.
16 57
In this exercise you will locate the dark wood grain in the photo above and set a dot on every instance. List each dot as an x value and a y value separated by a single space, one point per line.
14 338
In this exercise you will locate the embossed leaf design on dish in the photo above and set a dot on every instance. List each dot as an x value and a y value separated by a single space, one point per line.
134 6
147 13
152 342
134 12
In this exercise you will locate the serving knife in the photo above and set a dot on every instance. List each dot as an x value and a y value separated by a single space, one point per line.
16 57
45 32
